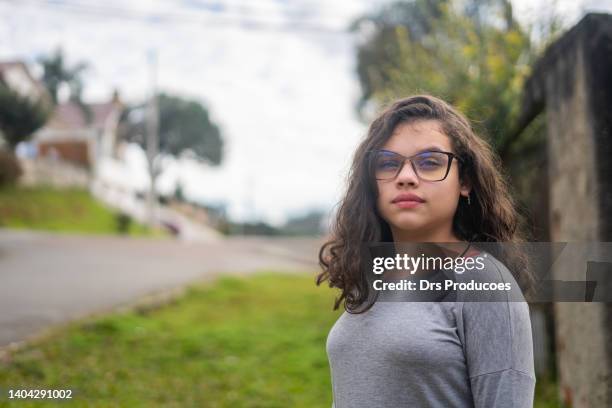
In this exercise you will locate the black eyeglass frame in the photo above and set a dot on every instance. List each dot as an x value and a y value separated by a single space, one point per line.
451 156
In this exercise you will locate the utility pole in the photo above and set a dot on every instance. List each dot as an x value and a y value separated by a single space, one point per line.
152 138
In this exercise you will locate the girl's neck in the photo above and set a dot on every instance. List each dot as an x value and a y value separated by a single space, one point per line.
424 236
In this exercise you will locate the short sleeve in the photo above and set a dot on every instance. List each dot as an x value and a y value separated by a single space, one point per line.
498 348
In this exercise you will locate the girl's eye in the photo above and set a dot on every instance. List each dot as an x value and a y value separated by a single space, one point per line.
428 163
388 164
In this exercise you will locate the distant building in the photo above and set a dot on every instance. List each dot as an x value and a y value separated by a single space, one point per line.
16 76
81 133
75 133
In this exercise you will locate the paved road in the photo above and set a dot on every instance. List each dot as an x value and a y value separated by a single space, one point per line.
48 278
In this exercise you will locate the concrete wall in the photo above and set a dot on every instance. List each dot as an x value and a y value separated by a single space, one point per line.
578 184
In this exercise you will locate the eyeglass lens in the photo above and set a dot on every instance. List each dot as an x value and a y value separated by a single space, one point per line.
430 166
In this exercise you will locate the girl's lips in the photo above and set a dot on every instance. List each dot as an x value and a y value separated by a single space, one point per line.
408 204
407 197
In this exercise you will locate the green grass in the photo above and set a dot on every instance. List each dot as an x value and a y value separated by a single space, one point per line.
65 210
547 395
256 342
240 342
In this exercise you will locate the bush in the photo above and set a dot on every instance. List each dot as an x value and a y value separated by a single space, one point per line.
123 221
10 169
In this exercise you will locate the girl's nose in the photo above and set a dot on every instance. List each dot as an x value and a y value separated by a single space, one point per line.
407 175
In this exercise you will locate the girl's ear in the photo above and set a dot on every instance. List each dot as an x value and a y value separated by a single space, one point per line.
466 186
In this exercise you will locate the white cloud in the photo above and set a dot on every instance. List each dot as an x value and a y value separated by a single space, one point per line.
284 99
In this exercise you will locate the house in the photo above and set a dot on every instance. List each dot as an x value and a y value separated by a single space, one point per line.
16 76
81 133
76 133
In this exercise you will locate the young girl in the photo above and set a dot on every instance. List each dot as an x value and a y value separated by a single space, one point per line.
422 175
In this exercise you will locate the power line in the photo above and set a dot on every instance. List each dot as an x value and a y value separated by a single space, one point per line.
253 5
217 19
108 12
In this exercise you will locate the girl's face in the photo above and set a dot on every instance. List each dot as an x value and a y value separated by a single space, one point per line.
430 220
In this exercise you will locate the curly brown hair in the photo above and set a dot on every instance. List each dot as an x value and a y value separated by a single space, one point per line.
492 216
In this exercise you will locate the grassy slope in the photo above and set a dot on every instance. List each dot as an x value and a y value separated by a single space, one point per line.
71 210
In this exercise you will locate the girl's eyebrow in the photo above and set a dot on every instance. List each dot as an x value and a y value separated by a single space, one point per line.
423 150
430 149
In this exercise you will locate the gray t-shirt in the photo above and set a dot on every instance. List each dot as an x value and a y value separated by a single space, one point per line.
435 354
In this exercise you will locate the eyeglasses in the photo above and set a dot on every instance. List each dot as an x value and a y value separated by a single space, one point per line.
428 165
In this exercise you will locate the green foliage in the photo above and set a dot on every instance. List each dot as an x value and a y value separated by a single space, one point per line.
248 228
186 125
308 224
376 55
124 221
19 116
476 57
179 195
547 393
56 73
184 128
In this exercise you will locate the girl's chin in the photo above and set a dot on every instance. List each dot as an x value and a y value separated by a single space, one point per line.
408 225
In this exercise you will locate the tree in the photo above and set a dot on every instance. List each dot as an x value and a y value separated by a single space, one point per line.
376 54
185 126
56 73
304 224
179 195
185 129
19 116
473 54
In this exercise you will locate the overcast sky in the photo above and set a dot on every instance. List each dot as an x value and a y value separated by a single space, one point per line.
284 98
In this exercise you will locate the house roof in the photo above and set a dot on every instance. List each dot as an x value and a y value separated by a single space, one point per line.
71 115
5 65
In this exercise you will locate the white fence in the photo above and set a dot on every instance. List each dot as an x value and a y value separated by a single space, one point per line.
53 172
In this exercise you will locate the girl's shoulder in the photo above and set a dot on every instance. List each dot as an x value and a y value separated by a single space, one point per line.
488 277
